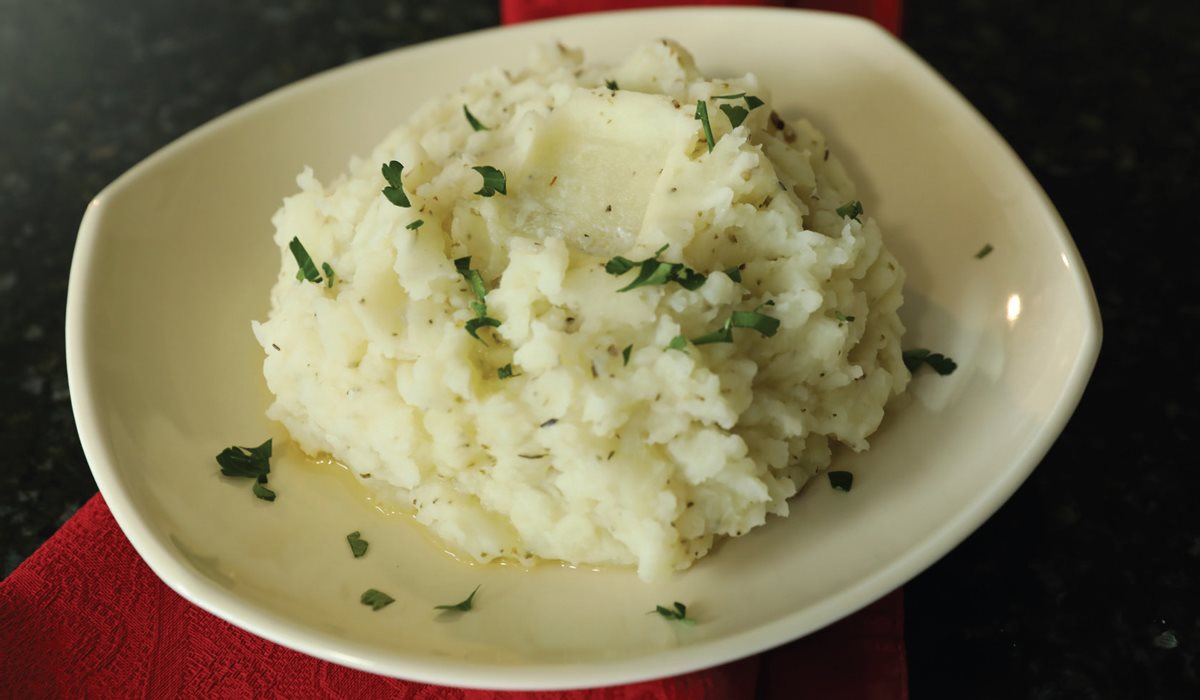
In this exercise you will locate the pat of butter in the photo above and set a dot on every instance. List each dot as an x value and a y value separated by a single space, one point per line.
593 165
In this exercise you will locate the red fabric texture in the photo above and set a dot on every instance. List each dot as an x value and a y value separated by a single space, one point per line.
85 617
886 12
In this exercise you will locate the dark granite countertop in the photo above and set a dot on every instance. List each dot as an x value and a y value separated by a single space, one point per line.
1085 585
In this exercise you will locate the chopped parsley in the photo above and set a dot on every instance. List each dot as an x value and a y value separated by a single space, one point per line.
842 317
376 599
308 269
736 114
505 372
358 546
395 190
941 364
415 225
479 306
625 355
473 121
735 273
842 481
850 210
249 462
328 273
493 181
654 271
464 606
702 115
677 343
677 612
611 85
984 251
260 489
754 320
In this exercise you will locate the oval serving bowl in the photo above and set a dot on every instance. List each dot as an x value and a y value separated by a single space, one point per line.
175 259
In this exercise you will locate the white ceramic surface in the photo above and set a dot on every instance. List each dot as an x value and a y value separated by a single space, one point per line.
175 258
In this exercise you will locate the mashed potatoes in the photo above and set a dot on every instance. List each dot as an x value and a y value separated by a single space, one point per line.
616 440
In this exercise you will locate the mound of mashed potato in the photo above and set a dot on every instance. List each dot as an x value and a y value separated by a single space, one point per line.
587 426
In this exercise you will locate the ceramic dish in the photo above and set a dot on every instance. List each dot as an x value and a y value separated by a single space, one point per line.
175 258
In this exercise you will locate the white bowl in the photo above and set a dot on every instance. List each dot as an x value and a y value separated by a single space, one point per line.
175 258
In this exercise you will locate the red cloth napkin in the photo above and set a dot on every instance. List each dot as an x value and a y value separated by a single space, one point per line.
85 617
886 12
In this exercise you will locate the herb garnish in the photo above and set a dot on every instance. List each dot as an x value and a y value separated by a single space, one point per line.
463 606
754 320
505 372
493 181
842 481
983 252
677 343
611 85
654 271
328 273
358 546
251 462
941 364
625 355
308 270
395 189
479 306
677 612
260 489
842 317
473 121
702 115
376 599
850 210
415 225
735 273
736 114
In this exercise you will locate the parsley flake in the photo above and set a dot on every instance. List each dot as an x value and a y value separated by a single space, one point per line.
735 273
358 546
654 272
250 462
493 181
984 251
464 606
475 281
260 489
473 121
941 364
841 481
677 612
702 115
505 372
753 102
376 599
415 225
850 210
766 325
842 317
736 115
395 189
611 85
328 273
308 270
677 343
625 355
478 322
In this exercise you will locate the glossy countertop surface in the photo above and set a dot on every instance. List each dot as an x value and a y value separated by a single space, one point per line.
1083 585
